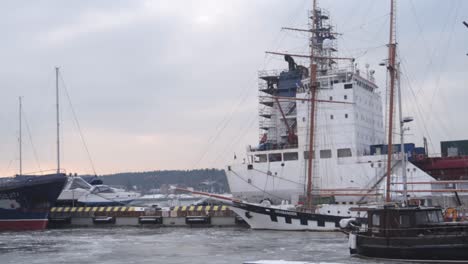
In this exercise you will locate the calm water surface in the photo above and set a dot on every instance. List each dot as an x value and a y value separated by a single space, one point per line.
172 245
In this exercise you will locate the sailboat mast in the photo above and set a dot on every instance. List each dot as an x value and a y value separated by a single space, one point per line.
20 139
391 72
402 137
313 93
58 117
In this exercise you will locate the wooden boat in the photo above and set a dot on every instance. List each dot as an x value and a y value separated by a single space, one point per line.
416 233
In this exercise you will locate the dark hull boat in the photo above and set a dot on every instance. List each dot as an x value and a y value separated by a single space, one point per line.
25 201
410 233
452 248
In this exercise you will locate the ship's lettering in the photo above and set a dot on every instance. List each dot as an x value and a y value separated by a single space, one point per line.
11 195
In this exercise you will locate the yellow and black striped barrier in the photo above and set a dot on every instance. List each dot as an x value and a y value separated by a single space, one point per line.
124 211
199 208
93 209
192 208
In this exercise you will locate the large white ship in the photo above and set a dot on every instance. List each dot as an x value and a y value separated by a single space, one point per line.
349 160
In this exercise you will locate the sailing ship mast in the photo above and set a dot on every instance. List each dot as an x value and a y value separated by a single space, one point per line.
58 117
20 138
402 138
313 93
391 71
320 59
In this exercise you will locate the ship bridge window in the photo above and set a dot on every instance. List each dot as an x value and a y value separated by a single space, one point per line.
290 156
325 153
348 86
306 155
259 158
274 157
342 153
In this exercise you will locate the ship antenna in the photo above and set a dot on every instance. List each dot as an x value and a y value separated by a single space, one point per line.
313 92
58 117
391 72
20 139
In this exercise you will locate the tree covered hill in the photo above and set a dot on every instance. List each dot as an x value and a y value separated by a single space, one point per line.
211 180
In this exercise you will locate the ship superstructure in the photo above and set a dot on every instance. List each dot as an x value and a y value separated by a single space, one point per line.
349 119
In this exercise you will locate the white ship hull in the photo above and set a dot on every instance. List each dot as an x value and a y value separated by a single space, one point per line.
341 175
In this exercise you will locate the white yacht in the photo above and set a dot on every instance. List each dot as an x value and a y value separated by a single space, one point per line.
78 192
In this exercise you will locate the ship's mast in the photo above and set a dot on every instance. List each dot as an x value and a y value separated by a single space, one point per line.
391 71
20 139
313 93
402 138
58 117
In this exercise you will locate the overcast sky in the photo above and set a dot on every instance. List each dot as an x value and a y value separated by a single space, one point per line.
172 84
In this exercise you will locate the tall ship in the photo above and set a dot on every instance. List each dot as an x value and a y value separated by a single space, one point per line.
25 200
348 158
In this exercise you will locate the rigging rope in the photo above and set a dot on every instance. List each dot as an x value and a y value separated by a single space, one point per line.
233 143
279 177
77 123
419 112
258 188
243 95
444 60
31 141
9 165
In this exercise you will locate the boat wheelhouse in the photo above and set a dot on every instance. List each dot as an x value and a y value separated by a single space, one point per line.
417 233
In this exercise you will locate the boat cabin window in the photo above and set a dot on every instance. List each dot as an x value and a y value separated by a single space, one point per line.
290 156
80 183
346 152
405 221
102 189
426 217
433 217
325 153
274 157
376 220
259 158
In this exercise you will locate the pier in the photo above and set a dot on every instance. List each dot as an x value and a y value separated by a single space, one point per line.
180 216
